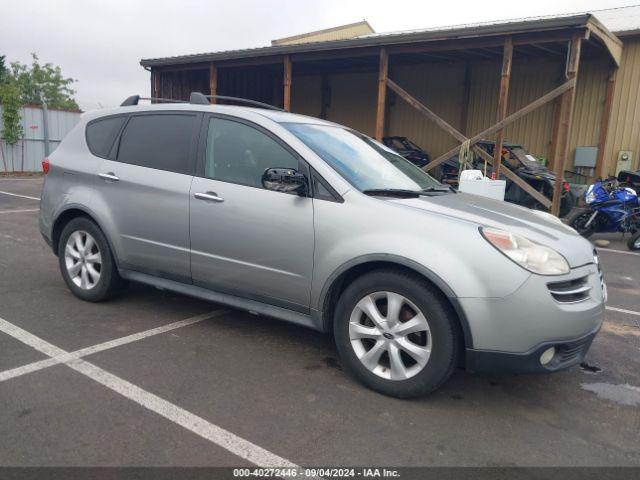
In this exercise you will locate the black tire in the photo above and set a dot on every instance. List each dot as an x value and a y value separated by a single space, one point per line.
633 243
110 283
567 202
578 218
444 331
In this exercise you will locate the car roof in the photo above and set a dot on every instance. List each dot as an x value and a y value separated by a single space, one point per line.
275 115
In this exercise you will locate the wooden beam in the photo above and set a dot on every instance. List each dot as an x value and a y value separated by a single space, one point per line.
604 123
460 137
556 92
566 116
213 82
503 99
382 93
287 83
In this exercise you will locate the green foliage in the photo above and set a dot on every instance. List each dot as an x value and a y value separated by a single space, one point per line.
11 103
4 71
39 82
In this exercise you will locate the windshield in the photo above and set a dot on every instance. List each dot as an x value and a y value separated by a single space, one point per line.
363 162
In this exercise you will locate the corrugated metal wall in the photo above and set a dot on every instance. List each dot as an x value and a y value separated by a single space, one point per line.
624 124
27 155
441 87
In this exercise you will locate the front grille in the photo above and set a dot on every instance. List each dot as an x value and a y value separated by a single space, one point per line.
570 291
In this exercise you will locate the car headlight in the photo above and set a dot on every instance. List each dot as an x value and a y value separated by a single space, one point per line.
532 256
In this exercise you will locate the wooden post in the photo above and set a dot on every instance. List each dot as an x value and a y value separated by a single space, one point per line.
324 95
503 98
600 169
382 93
466 96
566 116
213 82
156 86
287 83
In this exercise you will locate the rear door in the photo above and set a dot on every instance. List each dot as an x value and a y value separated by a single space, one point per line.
144 188
245 240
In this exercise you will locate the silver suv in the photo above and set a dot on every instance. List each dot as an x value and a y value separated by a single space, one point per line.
311 222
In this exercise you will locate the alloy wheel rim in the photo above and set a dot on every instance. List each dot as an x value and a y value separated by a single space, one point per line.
390 335
636 244
83 260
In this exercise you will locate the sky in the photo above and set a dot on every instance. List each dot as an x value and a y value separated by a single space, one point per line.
100 43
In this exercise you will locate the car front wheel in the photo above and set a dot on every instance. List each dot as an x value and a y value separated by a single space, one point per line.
395 333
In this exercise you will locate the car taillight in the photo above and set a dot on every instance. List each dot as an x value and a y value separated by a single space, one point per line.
45 165
566 186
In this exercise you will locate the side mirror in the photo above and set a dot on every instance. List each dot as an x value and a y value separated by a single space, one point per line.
286 180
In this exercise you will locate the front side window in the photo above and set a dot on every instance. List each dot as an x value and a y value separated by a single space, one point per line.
239 153
363 162
162 142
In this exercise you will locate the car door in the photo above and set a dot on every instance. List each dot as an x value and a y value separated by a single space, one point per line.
144 188
246 240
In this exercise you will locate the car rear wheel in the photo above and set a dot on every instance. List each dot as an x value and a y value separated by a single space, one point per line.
395 333
86 261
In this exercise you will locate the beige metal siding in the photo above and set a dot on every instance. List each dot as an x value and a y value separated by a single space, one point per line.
353 100
338 33
438 86
624 124
529 80
441 88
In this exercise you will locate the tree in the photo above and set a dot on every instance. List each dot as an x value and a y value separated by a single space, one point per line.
39 82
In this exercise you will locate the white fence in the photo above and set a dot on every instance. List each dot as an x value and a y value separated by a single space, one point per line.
27 154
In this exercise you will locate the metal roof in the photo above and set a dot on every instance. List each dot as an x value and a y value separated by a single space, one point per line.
523 25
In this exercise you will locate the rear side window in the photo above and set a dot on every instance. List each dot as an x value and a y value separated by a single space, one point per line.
101 133
162 142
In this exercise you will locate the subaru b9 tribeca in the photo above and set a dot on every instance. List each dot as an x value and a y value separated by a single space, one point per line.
311 222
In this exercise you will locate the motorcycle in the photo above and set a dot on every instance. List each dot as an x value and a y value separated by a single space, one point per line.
611 207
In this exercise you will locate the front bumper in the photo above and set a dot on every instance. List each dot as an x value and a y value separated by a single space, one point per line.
568 353
535 314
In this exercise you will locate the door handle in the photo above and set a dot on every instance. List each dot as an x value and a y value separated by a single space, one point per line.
109 176
211 196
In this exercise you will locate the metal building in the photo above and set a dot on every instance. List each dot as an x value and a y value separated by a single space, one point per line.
552 84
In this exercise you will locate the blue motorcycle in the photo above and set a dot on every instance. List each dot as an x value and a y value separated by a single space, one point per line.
611 207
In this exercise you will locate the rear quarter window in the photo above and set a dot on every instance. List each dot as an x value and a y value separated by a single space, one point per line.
101 134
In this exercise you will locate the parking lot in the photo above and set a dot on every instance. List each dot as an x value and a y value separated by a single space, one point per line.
157 379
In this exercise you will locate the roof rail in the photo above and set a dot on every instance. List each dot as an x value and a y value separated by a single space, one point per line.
135 99
198 98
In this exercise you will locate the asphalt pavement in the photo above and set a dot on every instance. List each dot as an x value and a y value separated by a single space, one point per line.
154 378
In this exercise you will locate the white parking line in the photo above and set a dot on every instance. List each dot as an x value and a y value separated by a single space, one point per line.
613 250
21 211
21 196
201 427
66 357
622 310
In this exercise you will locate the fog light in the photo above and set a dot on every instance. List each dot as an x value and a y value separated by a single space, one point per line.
547 355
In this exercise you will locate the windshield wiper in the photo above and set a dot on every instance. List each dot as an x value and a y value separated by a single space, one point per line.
441 188
399 192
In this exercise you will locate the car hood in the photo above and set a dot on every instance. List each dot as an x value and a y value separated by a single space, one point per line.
486 212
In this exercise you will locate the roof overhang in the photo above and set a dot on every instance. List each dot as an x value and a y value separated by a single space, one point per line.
460 37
